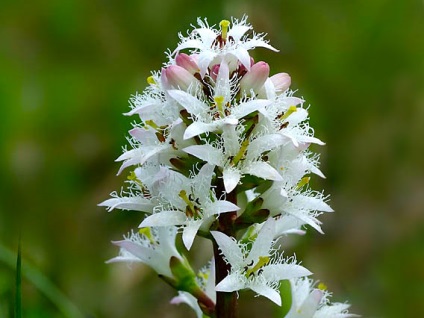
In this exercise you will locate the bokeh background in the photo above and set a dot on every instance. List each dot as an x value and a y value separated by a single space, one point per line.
67 69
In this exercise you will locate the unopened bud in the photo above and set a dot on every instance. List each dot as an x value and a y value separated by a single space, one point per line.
255 78
187 62
215 71
179 77
281 82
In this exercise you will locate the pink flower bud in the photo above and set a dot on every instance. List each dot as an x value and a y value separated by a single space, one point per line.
179 77
215 71
164 79
187 62
255 78
281 82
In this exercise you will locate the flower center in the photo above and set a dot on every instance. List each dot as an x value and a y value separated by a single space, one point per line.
192 210
302 182
146 232
290 111
219 102
252 268
151 80
221 39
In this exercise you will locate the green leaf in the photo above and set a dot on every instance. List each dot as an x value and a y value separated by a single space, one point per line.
18 284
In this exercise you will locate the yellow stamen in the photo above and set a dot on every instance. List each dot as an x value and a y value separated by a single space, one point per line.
151 80
204 275
241 152
190 205
152 124
219 102
302 182
145 231
263 260
224 24
290 111
159 130
322 286
133 177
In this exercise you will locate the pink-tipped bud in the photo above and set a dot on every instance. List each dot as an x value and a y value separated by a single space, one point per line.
187 62
164 79
281 81
179 77
215 71
255 78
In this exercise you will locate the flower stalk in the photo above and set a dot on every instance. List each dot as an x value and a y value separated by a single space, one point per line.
221 152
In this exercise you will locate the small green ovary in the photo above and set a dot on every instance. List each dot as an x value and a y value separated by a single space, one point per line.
192 210
147 232
256 269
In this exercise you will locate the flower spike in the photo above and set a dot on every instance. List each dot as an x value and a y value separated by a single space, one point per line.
220 149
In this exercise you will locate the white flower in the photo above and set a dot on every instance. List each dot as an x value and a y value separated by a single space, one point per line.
310 302
284 118
193 203
212 45
136 203
154 143
305 206
260 268
207 118
140 196
288 196
217 110
189 299
234 158
153 106
154 247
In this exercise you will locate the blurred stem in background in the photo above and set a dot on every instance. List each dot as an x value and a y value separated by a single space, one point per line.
18 284
40 281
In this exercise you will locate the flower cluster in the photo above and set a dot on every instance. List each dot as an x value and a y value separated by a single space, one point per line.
220 151
313 302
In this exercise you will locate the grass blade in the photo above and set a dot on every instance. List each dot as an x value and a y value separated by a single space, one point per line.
41 282
18 284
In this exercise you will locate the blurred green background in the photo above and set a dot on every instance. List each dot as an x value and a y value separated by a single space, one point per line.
67 69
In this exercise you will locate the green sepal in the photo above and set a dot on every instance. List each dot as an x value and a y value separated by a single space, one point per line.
252 214
185 280
263 186
184 276
250 121
184 165
255 218
250 182
169 280
185 116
